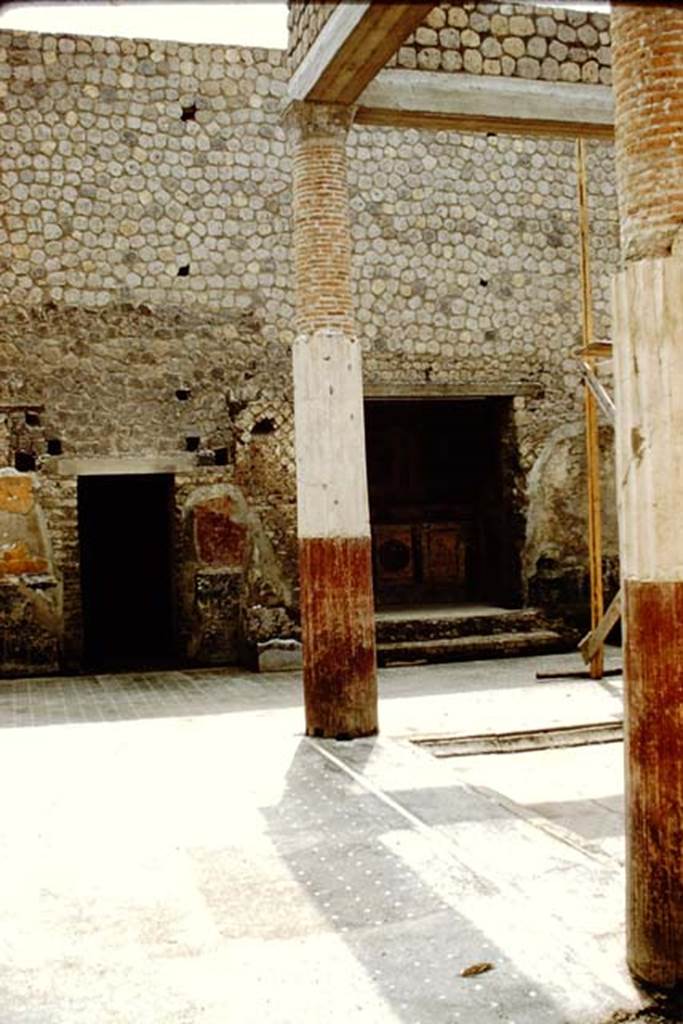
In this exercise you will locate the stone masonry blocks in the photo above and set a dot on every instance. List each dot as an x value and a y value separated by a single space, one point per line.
514 40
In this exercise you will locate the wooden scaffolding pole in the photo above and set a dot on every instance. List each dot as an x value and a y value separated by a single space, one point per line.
591 412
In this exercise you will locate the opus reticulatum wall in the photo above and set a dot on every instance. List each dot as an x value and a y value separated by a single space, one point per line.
147 314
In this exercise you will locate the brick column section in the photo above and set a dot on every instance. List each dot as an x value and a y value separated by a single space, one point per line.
647 41
337 611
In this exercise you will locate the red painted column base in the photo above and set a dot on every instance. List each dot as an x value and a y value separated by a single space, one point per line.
338 626
654 780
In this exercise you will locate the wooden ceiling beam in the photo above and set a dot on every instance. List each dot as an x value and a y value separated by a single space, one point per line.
354 44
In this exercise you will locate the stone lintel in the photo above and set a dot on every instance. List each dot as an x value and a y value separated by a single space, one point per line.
113 465
423 392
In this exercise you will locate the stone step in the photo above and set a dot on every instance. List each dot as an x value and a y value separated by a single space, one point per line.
465 648
425 624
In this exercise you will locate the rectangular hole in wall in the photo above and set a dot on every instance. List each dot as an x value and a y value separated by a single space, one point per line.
126 539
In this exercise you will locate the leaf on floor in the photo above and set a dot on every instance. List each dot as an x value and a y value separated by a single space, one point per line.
482 968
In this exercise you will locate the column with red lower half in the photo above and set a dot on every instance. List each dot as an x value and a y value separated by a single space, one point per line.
648 340
340 684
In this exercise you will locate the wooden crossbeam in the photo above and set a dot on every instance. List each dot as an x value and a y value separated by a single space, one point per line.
354 44
594 640
596 350
599 391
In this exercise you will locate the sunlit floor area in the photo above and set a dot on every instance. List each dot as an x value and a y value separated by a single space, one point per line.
175 851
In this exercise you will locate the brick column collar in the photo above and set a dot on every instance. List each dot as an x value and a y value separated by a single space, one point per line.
647 50
318 120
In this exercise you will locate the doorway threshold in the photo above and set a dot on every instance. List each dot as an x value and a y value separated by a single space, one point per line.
462 632
464 610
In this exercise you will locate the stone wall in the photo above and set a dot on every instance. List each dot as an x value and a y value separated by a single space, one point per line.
146 169
515 40
467 275
144 290
466 260
147 310
304 22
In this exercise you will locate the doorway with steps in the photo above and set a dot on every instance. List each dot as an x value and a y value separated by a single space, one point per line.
446 516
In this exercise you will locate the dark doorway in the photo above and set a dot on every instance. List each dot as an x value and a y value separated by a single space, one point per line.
442 487
125 529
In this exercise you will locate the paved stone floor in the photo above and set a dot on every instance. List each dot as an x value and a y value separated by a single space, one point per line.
175 851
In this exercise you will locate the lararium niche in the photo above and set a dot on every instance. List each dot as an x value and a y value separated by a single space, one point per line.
446 517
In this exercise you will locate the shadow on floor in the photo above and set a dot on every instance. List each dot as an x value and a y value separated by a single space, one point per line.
335 839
